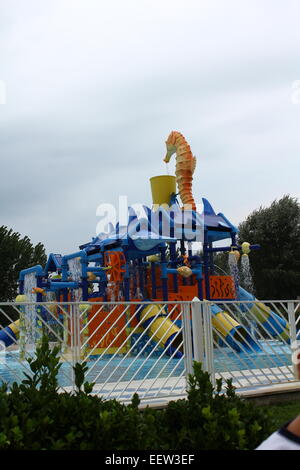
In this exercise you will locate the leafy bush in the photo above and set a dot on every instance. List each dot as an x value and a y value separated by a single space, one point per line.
210 419
34 415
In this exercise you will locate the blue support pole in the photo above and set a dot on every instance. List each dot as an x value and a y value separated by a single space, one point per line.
84 279
171 270
183 251
211 259
173 265
85 289
126 279
153 280
206 263
164 274
38 270
200 289
199 278
21 287
141 277
55 285
145 264
64 271
132 270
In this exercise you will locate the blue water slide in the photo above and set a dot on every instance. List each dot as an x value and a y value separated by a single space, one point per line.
234 334
271 322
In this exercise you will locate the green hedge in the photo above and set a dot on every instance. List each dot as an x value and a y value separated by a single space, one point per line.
33 415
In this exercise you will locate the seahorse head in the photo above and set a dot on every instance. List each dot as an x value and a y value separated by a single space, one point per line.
171 146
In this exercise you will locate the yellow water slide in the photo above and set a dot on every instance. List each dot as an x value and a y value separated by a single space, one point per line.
161 329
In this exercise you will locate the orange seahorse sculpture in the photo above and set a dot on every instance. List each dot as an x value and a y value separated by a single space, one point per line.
185 166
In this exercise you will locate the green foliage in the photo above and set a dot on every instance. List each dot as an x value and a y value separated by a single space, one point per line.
34 416
45 368
79 371
210 419
283 412
16 253
276 266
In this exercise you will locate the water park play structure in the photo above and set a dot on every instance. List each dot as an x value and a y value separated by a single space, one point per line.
150 259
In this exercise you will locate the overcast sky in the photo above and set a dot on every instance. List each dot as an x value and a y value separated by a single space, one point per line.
94 88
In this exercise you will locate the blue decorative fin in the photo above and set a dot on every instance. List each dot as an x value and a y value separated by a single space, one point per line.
233 227
207 208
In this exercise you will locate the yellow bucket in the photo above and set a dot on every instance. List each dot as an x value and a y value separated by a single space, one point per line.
162 187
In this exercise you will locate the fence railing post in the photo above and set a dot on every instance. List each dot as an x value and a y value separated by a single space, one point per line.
198 331
208 341
75 337
293 335
187 340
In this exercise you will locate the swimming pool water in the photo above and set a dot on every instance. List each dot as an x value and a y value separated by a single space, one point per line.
107 370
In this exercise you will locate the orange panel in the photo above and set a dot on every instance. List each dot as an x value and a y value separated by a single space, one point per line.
221 287
188 292
185 293
108 328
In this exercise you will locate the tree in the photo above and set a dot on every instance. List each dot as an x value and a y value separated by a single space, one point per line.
276 266
16 253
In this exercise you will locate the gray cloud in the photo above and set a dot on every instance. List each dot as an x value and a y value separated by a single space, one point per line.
94 90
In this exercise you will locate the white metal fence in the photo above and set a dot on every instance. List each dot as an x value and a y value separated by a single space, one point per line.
129 351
